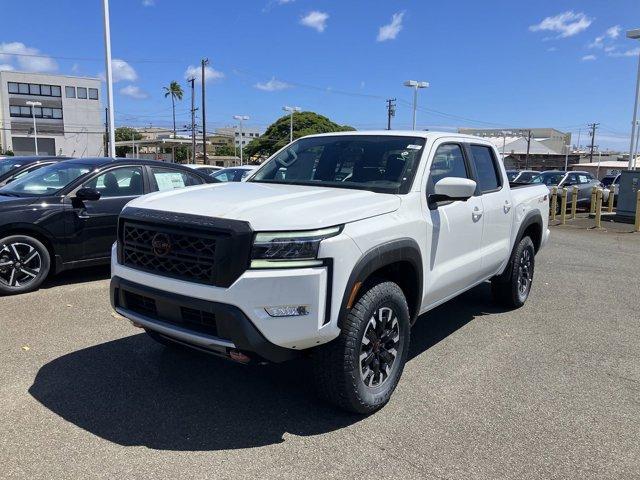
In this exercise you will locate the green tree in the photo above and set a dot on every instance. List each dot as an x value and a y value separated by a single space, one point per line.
225 151
125 134
277 134
174 90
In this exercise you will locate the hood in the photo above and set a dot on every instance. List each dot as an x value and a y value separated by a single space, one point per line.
8 203
273 207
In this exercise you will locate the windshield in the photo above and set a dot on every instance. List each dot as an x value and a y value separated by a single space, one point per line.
525 177
379 163
549 179
9 164
606 181
46 180
231 174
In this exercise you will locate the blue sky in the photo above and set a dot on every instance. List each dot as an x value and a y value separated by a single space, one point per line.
490 64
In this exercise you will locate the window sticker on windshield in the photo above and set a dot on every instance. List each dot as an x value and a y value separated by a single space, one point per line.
414 147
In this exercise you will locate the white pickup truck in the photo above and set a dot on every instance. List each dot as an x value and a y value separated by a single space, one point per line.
333 248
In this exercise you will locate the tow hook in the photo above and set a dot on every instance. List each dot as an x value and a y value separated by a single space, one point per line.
238 356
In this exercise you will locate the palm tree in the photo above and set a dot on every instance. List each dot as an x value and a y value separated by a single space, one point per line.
175 91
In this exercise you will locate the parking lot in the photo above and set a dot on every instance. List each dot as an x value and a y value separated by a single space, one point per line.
548 391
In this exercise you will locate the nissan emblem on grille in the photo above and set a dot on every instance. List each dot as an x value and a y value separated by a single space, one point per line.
161 244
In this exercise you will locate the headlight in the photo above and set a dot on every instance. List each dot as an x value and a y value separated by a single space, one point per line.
289 249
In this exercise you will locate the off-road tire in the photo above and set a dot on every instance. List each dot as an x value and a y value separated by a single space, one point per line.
507 288
338 367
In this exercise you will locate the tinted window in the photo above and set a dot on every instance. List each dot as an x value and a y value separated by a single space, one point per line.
119 182
70 92
47 180
486 168
382 163
166 179
447 162
93 94
13 87
82 92
56 91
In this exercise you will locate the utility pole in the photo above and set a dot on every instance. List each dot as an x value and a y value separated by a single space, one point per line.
526 158
241 118
204 62
192 81
391 111
106 132
109 79
593 127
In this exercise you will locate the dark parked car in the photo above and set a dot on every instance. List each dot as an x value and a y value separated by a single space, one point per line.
65 215
583 180
12 168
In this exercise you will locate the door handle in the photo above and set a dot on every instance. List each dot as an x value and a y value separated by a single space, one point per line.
476 214
507 206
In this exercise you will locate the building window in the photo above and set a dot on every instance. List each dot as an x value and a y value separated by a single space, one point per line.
45 90
34 89
13 87
57 113
82 92
93 94
70 92
56 91
25 111
14 111
38 112
23 88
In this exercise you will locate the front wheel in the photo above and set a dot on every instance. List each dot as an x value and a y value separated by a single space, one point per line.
360 369
24 264
512 288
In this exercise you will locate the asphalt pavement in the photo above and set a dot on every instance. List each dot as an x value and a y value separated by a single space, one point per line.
551 390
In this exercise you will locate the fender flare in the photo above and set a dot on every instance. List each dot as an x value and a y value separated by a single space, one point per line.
400 250
18 228
531 218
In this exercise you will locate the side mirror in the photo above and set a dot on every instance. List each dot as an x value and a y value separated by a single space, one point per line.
89 194
450 189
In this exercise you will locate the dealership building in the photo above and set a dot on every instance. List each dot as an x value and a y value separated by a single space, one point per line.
67 112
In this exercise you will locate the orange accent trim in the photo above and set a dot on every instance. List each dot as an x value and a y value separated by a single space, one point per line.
354 292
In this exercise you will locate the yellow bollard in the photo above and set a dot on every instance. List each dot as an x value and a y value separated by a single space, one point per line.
554 203
563 206
599 208
612 193
637 225
574 202
593 200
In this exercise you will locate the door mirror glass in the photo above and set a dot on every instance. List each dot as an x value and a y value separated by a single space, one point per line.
453 188
89 194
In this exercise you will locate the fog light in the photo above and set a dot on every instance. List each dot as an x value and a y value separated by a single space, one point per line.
287 310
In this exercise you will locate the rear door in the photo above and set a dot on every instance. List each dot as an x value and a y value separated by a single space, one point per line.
496 203
454 229
167 178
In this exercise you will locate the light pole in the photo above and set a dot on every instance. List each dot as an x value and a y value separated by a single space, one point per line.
415 85
241 118
109 79
291 110
35 128
634 35
566 158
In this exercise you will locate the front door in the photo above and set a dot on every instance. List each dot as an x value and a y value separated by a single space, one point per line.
96 222
454 230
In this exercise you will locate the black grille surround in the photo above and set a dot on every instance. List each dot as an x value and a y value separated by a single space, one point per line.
200 249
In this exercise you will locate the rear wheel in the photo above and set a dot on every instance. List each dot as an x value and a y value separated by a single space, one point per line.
24 264
512 288
360 369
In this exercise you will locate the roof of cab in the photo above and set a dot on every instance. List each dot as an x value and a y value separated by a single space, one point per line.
427 134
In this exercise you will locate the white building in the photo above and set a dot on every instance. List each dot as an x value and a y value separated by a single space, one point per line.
69 119
248 134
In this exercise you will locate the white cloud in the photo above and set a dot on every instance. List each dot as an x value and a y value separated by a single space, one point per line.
634 52
209 73
121 70
391 30
6 67
134 91
611 34
148 3
566 24
272 85
284 2
588 58
316 20
552 49
614 32
28 58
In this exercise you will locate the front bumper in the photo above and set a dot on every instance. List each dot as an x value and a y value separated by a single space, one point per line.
214 327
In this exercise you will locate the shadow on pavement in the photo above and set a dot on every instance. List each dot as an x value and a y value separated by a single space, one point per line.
79 275
133 391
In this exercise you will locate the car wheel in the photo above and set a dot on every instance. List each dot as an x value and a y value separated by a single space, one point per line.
24 264
512 288
360 369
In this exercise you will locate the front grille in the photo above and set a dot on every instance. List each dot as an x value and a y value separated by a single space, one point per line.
184 255
190 318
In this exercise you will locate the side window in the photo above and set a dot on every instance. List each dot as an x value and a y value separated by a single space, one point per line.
447 162
584 178
167 179
486 168
118 182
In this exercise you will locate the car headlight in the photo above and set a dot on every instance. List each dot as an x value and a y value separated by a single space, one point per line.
289 249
